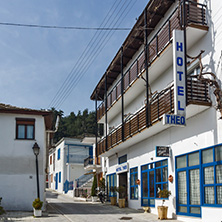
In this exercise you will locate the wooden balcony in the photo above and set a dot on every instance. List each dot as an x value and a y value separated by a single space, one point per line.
195 17
163 102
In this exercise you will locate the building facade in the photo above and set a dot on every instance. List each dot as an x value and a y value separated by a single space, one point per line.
66 163
20 129
160 103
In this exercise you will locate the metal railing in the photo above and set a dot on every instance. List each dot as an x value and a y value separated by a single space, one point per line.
195 13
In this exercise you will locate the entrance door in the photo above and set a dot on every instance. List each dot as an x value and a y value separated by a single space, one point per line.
188 191
123 182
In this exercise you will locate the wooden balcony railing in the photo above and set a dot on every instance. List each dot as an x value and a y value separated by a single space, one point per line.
163 102
195 13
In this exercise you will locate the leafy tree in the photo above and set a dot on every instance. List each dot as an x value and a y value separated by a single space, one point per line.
78 126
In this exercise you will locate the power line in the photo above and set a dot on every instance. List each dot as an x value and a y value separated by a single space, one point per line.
62 27
81 58
90 60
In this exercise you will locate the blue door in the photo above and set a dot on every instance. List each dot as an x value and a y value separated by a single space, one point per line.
56 181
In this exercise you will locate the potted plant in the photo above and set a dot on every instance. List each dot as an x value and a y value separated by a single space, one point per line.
37 206
162 210
122 194
93 189
2 211
113 198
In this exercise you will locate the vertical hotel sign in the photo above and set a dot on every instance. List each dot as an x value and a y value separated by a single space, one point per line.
179 117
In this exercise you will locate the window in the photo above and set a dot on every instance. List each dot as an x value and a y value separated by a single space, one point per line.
133 184
111 182
199 180
122 159
25 129
51 160
59 177
154 177
58 154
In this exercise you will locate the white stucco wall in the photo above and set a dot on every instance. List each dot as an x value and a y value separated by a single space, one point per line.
17 163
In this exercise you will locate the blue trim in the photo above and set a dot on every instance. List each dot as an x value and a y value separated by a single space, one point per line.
113 184
58 154
60 177
201 167
133 173
71 144
152 167
56 181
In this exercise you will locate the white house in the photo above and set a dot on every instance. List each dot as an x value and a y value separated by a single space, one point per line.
160 101
20 129
66 163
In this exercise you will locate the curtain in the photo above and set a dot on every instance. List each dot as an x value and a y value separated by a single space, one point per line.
195 187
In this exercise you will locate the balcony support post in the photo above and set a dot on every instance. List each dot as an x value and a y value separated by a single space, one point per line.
106 148
96 133
185 44
146 68
122 93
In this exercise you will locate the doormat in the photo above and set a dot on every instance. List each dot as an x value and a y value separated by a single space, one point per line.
126 218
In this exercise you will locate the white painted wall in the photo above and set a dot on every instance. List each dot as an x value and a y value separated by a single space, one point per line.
18 184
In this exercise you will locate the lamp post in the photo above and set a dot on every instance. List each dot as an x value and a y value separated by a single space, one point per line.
36 150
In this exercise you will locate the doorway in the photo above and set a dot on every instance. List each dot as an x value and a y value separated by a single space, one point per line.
123 183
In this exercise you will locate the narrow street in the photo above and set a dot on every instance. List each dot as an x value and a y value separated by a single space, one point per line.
63 208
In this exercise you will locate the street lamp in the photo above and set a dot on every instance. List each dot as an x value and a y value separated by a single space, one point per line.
36 150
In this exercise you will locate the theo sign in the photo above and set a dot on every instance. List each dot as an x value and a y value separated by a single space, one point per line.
179 117
122 168
162 151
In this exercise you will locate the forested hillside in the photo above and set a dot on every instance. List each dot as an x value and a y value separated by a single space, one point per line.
75 125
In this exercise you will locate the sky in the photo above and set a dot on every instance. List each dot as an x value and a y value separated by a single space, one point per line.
39 67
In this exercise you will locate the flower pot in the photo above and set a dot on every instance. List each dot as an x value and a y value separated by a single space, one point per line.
162 212
37 213
113 200
121 203
94 198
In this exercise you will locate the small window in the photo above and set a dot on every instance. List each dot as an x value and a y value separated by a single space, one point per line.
122 159
25 129
51 160
58 157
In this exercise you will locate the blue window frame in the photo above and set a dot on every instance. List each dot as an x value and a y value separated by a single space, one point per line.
59 177
199 180
111 182
154 178
58 154
133 184
122 159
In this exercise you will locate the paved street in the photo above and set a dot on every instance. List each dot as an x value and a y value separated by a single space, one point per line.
63 208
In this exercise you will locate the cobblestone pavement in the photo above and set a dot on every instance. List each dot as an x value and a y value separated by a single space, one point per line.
63 208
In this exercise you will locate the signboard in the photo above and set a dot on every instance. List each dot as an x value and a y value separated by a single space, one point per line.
122 168
162 151
175 120
179 117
